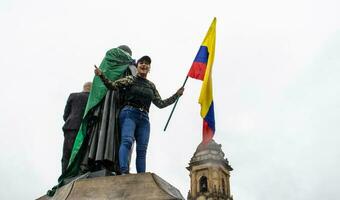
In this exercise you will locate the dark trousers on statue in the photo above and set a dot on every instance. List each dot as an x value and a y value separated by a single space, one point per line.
69 137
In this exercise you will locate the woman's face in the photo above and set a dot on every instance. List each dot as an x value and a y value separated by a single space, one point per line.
143 68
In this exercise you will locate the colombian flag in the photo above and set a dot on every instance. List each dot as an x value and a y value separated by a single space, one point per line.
202 69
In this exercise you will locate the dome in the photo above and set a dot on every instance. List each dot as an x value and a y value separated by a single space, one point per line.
210 152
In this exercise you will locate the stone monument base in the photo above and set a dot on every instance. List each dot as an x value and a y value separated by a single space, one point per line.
124 187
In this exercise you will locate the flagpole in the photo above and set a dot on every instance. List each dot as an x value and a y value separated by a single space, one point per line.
172 111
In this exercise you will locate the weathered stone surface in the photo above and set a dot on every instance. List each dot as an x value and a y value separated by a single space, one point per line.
131 186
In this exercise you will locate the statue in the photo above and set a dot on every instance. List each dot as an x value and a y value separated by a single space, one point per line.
73 115
97 142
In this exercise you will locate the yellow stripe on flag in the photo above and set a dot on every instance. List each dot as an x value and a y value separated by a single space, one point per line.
206 96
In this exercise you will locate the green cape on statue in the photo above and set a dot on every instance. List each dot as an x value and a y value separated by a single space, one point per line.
114 64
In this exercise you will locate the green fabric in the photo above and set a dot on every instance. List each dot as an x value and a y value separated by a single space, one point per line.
114 64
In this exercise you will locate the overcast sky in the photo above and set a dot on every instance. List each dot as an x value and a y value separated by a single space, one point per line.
276 88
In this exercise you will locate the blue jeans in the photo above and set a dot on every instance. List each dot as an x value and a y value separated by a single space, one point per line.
134 124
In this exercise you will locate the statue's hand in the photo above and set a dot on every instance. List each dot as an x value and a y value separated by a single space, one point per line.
97 71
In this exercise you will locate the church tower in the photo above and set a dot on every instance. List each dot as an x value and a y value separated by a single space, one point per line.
209 173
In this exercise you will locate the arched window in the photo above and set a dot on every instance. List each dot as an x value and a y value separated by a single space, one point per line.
203 184
223 186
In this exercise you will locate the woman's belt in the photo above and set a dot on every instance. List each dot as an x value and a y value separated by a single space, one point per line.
141 108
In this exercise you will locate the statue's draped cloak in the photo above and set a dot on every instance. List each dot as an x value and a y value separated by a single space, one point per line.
102 138
97 140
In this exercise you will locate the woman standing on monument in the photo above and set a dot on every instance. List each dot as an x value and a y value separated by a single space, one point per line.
138 93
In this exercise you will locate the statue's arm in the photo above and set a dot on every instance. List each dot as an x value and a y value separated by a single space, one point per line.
67 109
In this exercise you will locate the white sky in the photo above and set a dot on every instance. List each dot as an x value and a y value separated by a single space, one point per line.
276 88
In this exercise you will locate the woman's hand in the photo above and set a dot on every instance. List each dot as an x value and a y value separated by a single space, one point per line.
97 71
180 91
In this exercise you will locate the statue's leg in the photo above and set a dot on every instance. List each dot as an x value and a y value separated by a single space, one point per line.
69 137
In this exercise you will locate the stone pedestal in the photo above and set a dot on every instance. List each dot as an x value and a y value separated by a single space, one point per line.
131 186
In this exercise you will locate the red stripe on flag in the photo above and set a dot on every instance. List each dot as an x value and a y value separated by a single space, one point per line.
208 133
197 70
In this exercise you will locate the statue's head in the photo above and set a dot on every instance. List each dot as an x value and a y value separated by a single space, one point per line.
126 49
87 87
